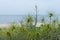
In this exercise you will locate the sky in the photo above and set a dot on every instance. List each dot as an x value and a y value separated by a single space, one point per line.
25 7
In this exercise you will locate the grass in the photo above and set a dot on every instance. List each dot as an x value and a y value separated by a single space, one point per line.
28 31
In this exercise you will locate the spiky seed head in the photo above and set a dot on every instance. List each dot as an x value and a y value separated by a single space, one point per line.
29 19
54 21
50 14
8 34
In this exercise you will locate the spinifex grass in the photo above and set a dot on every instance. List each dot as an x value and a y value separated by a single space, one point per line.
28 31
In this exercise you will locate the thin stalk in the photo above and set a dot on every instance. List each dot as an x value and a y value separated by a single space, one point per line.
50 20
36 16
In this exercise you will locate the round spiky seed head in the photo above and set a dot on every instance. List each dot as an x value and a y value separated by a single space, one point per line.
50 14
8 34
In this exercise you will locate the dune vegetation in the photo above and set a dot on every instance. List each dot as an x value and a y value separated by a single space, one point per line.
28 31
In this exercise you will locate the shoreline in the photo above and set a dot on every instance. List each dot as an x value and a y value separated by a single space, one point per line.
2 25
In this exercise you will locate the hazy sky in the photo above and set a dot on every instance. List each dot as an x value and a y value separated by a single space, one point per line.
21 7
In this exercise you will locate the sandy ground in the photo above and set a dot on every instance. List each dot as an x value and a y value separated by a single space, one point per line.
4 25
8 25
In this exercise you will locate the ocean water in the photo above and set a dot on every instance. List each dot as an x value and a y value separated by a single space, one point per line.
18 18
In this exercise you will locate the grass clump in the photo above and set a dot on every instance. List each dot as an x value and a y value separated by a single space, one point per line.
28 31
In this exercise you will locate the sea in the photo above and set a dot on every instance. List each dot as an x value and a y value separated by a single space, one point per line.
19 18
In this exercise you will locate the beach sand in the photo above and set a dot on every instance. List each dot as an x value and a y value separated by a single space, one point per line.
2 25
